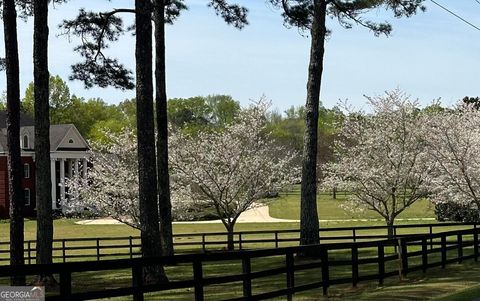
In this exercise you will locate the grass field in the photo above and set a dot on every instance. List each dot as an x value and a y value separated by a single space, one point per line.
436 283
456 282
287 206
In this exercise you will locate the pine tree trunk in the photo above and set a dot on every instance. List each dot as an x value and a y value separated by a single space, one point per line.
309 224
150 232
164 204
13 138
43 183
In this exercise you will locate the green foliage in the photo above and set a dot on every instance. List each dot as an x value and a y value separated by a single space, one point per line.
223 108
60 99
475 101
89 116
435 107
457 212
299 13
93 116
288 130
194 114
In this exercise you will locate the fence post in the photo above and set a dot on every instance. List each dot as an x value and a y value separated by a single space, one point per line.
198 279
354 266
325 272
444 250
276 239
137 282
247 281
64 251
460 247
98 249
424 255
475 243
203 242
290 273
381 263
240 240
354 234
65 285
29 252
130 246
431 239
402 257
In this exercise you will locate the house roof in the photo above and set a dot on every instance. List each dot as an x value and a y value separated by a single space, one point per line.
25 120
58 136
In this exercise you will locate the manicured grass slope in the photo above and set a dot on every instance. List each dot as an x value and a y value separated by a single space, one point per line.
436 283
287 206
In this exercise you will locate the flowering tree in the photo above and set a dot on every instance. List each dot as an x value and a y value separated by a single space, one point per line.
454 145
111 186
382 159
233 167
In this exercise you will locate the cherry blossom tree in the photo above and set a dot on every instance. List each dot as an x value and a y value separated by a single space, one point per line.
234 167
382 159
111 186
454 144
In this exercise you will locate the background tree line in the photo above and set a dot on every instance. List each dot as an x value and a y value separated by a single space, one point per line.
94 117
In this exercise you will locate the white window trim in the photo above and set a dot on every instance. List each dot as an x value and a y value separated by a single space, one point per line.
23 141
26 171
25 190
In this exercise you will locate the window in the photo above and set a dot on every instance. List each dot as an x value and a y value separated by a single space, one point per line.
26 171
25 141
70 141
26 196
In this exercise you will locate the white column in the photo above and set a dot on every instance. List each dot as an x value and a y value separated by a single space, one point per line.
62 180
69 168
54 183
76 162
84 168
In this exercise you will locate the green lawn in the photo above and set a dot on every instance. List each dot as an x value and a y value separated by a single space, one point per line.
287 206
461 280
469 294
436 283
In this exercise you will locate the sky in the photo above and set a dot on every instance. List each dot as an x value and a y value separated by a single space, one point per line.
429 56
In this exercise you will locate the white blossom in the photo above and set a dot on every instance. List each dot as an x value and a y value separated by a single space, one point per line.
381 159
111 186
454 148
234 167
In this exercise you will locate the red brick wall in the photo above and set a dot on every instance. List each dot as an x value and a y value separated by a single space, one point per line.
26 183
30 184
3 188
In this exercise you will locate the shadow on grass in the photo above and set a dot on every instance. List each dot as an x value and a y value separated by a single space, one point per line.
435 283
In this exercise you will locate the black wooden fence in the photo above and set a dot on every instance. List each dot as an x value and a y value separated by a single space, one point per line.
386 258
100 248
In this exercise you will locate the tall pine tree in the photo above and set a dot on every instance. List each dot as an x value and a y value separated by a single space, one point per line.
43 183
164 203
13 138
97 29
151 245
310 16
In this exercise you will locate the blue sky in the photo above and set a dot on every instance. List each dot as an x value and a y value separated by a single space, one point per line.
432 55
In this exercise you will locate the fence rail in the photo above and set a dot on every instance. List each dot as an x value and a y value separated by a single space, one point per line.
408 254
102 248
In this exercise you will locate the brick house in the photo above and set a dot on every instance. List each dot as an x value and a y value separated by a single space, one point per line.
68 153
